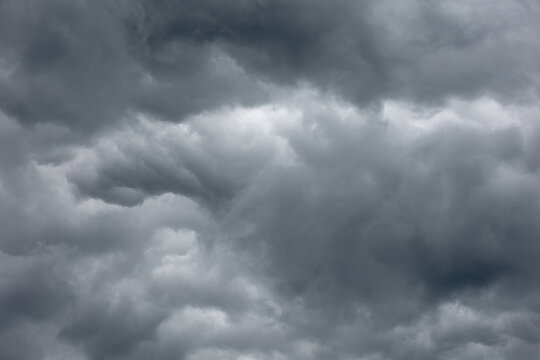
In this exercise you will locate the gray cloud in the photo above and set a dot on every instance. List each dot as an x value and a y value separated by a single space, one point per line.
433 217
352 211
65 63
269 180
197 161
366 50
87 64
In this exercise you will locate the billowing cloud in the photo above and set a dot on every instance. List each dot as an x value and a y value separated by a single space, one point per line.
269 180
86 64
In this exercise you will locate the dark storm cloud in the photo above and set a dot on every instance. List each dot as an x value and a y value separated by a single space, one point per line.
366 218
357 213
369 205
76 64
65 62
86 64
364 50
269 180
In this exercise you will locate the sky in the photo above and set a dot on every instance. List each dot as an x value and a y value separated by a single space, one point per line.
269 180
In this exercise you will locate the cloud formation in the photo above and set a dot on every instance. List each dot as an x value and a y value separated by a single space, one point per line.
269 180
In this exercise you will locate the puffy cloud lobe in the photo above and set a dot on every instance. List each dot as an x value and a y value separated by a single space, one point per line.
204 161
124 298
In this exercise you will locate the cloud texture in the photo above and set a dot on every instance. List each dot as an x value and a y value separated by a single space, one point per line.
269 180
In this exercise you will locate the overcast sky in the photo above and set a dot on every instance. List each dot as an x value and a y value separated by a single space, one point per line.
269 179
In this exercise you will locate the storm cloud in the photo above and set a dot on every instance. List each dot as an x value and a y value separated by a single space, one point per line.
269 180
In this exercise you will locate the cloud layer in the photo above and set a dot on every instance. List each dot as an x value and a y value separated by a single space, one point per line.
269 180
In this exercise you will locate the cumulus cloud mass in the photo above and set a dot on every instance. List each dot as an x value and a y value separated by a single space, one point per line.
269 180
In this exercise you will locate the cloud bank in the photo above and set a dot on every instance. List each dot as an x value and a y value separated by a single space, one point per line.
269 180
